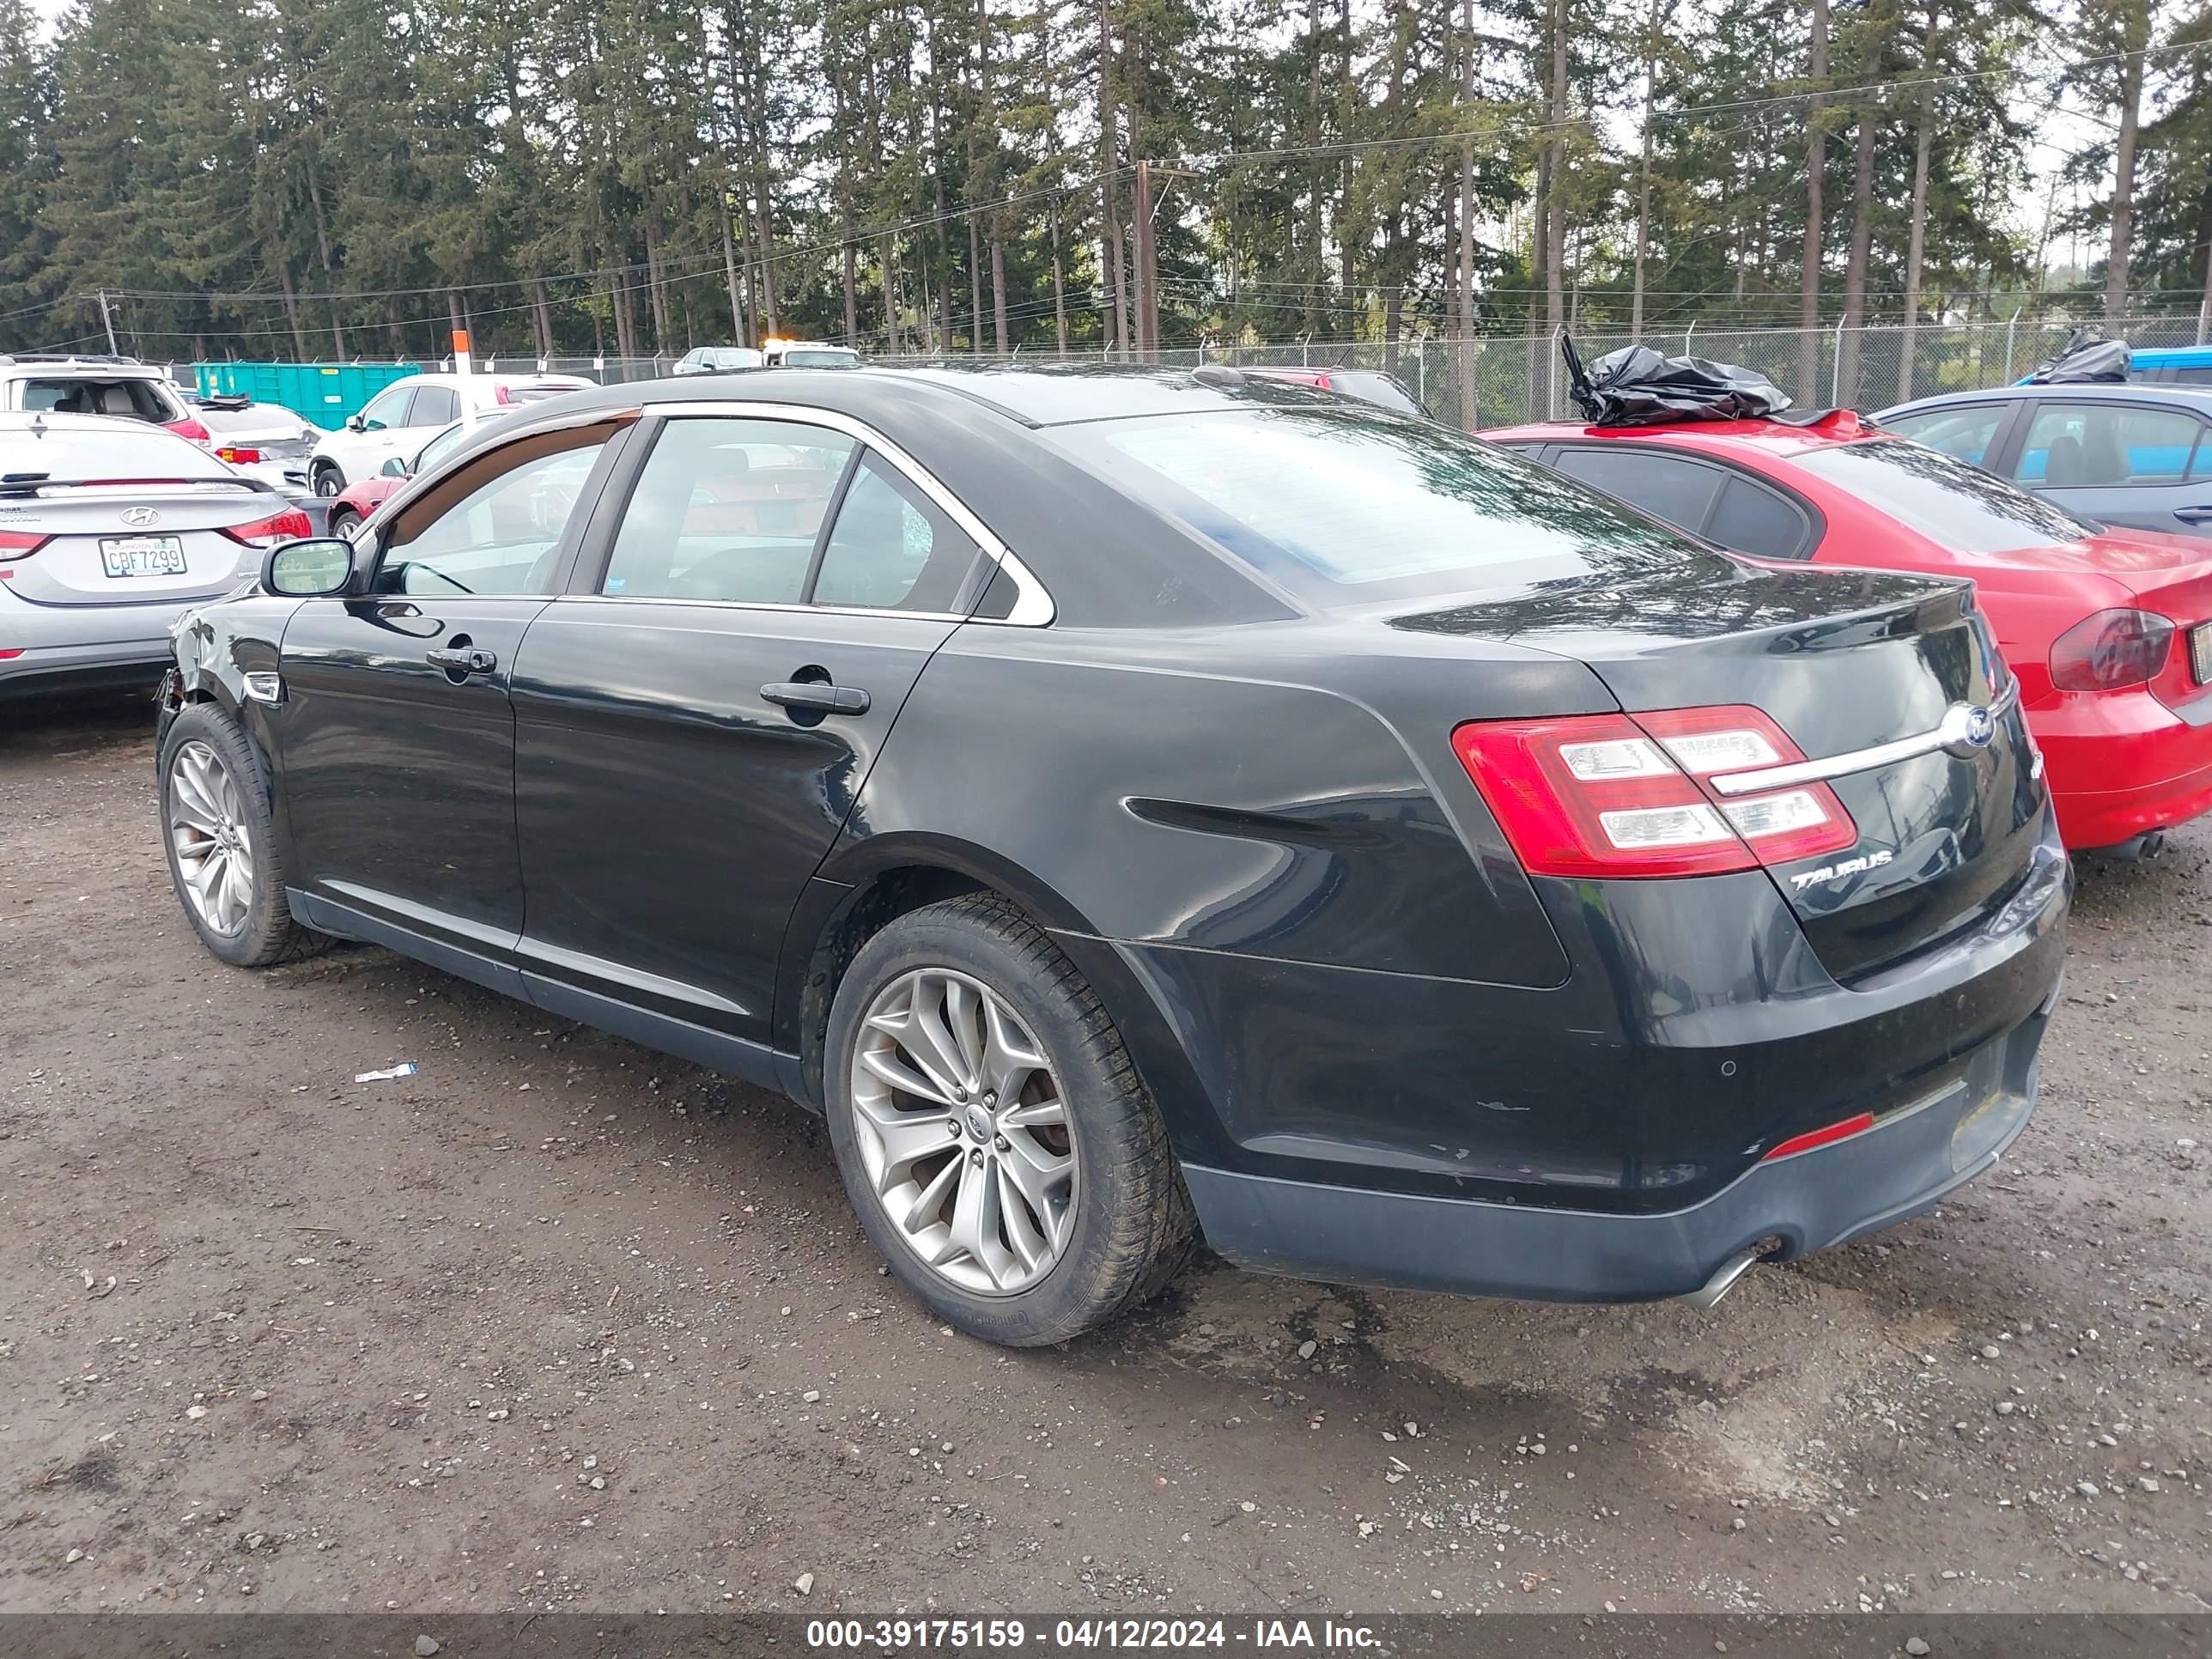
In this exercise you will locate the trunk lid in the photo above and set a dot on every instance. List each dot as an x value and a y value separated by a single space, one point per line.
1843 661
133 544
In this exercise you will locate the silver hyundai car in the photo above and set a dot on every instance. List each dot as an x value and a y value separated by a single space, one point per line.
109 529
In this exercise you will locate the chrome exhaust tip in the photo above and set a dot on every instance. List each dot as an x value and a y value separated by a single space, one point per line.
1723 1281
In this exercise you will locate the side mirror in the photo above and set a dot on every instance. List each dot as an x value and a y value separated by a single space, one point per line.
396 467
354 423
313 569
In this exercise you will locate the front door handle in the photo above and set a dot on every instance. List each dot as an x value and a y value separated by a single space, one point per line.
816 696
455 660
2194 514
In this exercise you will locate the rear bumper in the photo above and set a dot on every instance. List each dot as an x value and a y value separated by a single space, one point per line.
124 664
1602 1140
1806 1202
2125 764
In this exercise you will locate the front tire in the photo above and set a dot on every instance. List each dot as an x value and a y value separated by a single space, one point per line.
329 481
215 826
1000 1150
344 522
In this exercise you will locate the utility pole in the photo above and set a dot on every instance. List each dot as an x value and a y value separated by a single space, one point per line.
1148 271
1148 315
107 321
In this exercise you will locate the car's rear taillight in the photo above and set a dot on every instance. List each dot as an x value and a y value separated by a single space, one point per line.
1626 795
2111 651
188 427
1812 1140
21 545
291 526
237 456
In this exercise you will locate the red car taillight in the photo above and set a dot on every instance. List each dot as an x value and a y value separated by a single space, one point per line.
21 545
291 526
188 427
2111 651
240 456
1622 795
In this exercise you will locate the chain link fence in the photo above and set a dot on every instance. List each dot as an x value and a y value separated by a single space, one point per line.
1499 381
1493 381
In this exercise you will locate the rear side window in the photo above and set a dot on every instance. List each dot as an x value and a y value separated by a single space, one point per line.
1954 504
2089 445
728 509
433 405
1340 498
892 548
1762 522
1666 486
1965 432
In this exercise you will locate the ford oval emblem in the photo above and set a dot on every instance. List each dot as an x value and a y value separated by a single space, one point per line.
141 516
1980 728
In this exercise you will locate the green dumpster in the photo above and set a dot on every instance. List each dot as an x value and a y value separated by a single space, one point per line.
326 393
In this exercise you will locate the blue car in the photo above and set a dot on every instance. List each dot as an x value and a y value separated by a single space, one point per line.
2133 454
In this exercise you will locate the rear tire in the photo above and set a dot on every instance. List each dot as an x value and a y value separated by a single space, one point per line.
215 827
1080 1130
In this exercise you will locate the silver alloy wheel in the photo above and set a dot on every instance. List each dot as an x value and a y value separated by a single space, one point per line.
964 1132
207 828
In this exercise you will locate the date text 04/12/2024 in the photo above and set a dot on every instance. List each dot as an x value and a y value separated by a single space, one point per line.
1072 1635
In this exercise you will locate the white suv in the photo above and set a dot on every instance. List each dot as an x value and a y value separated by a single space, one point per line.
122 387
399 419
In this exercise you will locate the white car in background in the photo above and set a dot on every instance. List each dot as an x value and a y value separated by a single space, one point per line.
266 441
401 418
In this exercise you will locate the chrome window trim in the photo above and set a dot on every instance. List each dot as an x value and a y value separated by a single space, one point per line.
1953 730
1033 606
791 608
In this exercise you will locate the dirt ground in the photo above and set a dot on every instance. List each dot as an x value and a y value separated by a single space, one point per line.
558 1323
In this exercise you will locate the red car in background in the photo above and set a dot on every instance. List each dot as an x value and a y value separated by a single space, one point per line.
350 506
1370 386
2109 632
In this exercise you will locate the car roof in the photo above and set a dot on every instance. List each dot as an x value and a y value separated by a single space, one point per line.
2190 396
1030 397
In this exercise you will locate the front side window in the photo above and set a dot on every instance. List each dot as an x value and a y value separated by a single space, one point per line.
892 548
1956 505
1345 505
1965 432
493 529
386 409
440 446
2100 445
727 508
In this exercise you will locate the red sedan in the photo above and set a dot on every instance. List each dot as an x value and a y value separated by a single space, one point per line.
2109 631
354 504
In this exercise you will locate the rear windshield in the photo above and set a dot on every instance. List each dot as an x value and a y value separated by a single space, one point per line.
1368 504
132 400
1376 388
821 359
79 456
1953 503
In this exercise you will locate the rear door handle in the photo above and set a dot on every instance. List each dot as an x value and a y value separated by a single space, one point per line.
455 660
2194 514
816 696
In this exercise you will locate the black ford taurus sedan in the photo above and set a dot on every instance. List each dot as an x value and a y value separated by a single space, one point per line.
1141 805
